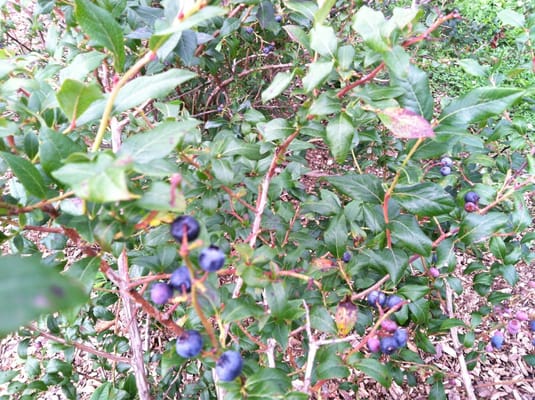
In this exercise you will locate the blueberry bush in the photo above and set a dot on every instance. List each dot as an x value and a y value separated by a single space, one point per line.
161 219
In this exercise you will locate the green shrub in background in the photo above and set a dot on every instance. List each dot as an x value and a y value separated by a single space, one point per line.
130 114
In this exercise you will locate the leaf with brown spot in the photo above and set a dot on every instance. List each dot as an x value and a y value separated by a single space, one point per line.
406 124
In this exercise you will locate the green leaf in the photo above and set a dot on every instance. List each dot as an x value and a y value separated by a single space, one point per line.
472 67
157 143
449 323
27 174
141 89
277 86
529 359
306 8
335 236
7 376
322 321
241 309
477 106
406 231
475 227
29 288
326 103
323 40
179 25
267 382
424 199
275 129
413 292
317 72
329 364
323 12
365 188
368 24
100 181
375 369
437 391
81 66
74 97
298 35
54 148
392 261
158 198
405 123
513 18
340 133
416 92
100 25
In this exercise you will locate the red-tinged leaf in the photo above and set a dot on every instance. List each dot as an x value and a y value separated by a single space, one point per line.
406 124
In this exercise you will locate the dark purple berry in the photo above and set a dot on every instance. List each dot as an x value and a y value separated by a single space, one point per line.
229 366
189 344
249 30
446 162
185 224
267 49
346 257
532 325
470 207
374 345
471 197
376 297
278 18
388 345
497 340
211 259
445 171
401 336
160 292
392 301
180 279
388 325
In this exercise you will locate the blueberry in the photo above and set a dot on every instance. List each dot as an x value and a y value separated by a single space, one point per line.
267 49
532 325
185 224
392 301
446 161
180 279
249 30
497 340
401 336
434 272
229 366
471 197
376 297
374 345
445 170
389 325
278 18
189 344
470 207
388 345
346 257
160 293
211 259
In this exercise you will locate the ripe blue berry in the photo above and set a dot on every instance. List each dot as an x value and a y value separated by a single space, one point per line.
180 279
497 340
445 170
249 30
278 18
267 49
374 345
532 325
446 161
401 336
189 344
185 224
392 301
211 259
346 257
388 345
376 297
160 293
470 207
471 197
229 366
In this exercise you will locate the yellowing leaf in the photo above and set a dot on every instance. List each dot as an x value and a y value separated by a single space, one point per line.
406 124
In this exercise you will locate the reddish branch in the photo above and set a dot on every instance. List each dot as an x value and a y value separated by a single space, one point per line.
406 43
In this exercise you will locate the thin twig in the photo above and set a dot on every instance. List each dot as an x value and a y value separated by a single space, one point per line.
136 344
81 346
467 381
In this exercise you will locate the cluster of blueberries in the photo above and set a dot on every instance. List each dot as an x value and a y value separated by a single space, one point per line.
446 163
189 343
391 337
470 201
513 327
